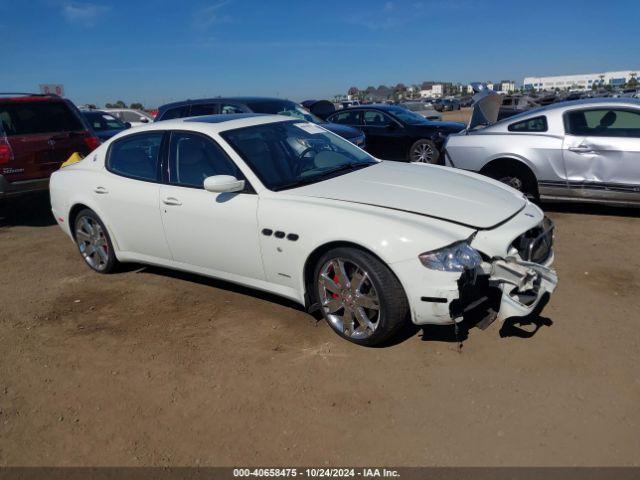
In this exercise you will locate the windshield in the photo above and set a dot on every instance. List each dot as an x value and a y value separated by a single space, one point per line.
407 116
291 154
288 109
101 121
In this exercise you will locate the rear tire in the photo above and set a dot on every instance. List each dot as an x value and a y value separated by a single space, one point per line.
517 177
359 297
93 241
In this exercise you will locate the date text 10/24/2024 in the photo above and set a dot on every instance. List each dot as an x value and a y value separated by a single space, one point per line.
316 472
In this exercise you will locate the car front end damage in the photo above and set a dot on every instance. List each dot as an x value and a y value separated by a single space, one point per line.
512 278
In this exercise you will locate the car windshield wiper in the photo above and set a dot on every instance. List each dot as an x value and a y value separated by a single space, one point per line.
316 178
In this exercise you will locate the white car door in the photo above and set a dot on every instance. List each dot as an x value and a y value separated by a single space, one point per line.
217 232
128 192
601 153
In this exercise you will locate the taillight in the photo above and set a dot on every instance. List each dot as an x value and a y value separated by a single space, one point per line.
6 155
92 143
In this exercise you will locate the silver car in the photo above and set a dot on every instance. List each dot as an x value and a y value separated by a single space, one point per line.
585 150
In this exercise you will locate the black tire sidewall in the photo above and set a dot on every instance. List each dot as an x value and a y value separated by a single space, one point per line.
383 280
112 261
527 187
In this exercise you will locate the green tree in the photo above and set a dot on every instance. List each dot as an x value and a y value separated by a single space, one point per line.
120 104
137 106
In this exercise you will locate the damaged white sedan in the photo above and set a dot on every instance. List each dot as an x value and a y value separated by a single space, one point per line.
287 207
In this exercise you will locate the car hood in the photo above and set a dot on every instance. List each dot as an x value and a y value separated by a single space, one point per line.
343 130
486 105
447 194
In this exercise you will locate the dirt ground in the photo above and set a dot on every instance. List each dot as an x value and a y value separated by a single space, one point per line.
152 367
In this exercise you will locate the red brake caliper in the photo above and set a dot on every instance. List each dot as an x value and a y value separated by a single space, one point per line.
335 279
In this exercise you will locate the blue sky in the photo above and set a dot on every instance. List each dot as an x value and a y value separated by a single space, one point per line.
156 51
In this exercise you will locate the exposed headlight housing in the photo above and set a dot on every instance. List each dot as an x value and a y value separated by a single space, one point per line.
455 258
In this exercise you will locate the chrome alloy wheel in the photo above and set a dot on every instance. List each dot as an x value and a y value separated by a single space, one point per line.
422 153
348 298
92 242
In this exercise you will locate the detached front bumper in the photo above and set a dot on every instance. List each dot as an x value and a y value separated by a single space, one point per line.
502 288
523 285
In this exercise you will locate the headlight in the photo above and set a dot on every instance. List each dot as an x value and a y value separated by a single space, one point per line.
454 258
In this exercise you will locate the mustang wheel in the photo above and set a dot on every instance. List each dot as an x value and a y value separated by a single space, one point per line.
359 296
93 242
424 151
516 177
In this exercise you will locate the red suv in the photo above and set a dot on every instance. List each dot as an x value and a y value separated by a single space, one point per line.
37 134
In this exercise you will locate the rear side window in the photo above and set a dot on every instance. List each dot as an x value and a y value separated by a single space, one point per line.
347 118
227 108
136 156
129 116
536 124
195 157
203 109
603 122
24 118
177 112
375 119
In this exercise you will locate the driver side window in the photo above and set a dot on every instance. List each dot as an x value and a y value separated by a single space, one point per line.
194 157
373 118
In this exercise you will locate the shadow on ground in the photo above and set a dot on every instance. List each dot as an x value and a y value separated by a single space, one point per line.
591 209
32 210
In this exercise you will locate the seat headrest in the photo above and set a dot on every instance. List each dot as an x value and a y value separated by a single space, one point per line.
608 119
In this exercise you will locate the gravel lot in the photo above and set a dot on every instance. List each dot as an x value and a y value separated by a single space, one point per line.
152 367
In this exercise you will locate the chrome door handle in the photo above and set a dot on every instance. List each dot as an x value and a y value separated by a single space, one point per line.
100 190
581 149
171 201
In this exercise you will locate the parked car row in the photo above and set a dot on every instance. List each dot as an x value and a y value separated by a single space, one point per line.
271 106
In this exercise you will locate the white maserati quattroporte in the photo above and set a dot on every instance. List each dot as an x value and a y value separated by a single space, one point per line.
285 206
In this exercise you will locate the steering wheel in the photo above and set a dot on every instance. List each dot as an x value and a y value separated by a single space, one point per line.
300 160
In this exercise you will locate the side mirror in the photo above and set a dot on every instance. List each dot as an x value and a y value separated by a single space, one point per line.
127 125
144 119
223 183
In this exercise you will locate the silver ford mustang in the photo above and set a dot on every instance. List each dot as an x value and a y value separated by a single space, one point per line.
585 150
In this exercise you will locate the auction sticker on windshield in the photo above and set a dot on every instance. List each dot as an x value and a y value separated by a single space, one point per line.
310 128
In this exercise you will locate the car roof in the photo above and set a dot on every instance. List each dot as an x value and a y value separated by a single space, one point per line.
376 106
216 123
594 102
30 97
197 101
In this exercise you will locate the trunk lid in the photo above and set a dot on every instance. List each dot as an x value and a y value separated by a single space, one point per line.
486 106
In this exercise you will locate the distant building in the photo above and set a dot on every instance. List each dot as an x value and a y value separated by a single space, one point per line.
435 90
507 86
583 81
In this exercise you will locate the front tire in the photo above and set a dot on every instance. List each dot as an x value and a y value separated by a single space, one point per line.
424 151
93 242
360 298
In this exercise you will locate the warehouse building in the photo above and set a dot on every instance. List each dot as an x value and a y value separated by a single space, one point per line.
581 81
